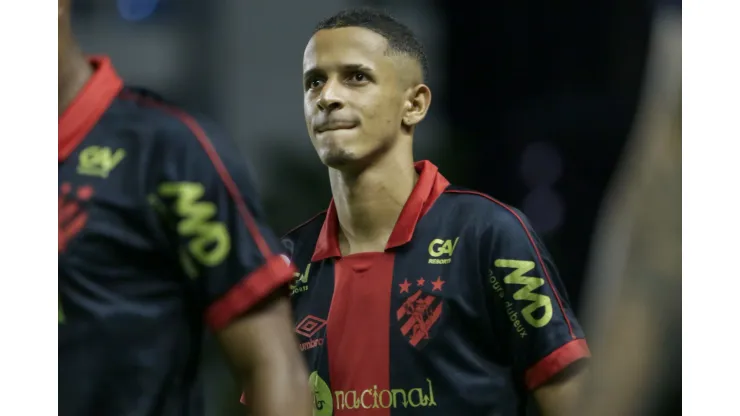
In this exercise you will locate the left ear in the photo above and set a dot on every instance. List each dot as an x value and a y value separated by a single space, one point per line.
418 100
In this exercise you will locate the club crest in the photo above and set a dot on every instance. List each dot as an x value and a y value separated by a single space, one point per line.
420 310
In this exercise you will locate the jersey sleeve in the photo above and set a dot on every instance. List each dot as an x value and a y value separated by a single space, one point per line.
528 303
221 239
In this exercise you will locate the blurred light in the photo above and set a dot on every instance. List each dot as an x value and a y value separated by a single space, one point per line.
135 10
541 165
545 209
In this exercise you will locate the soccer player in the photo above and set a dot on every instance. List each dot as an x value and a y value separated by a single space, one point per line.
160 233
414 296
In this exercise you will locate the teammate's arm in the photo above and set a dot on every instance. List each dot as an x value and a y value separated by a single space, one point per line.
232 258
559 396
528 304
633 339
638 336
261 346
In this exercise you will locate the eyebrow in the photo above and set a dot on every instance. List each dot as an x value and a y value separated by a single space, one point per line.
344 68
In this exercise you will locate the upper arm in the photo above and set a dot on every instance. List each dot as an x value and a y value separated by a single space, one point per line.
560 395
529 304
265 336
221 238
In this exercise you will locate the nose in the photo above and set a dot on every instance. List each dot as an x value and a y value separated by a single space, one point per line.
330 98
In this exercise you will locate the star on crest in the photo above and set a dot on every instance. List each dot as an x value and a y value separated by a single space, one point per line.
437 284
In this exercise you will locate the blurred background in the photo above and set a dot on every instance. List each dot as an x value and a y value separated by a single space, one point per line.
533 100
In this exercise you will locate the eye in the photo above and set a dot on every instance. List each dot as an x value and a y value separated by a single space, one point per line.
314 83
358 77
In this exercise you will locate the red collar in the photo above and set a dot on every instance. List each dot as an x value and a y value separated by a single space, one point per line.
428 188
89 105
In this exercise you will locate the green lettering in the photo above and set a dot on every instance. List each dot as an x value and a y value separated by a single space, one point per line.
422 400
395 393
431 394
209 241
525 293
390 402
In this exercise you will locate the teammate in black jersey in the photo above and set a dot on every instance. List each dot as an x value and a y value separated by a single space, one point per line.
160 234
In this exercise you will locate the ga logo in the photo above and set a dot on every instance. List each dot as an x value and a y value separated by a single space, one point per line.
99 160
442 248
301 281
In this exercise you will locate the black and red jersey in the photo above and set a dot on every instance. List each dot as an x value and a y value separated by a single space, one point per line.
159 232
464 303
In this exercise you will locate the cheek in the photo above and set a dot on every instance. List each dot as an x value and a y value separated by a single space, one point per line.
387 116
307 107
308 111
382 110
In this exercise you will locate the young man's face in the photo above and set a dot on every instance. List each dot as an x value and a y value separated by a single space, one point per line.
353 97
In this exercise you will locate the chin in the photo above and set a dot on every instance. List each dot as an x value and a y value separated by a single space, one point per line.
338 158
337 149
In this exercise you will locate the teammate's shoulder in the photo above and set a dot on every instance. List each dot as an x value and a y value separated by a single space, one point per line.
300 241
164 123
485 209
309 228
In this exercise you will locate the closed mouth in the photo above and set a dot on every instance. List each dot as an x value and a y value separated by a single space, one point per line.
335 126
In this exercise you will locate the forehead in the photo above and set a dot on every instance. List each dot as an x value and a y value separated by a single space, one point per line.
334 48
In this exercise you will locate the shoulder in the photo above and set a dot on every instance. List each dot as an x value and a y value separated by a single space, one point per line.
180 144
168 129
496 227
485 212
303 237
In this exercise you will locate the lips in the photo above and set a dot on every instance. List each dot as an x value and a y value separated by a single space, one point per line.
335 125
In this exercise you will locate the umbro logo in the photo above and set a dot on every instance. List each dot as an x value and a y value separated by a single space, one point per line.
309 327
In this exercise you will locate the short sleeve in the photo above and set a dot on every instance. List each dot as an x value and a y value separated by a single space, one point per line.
211 207
528 302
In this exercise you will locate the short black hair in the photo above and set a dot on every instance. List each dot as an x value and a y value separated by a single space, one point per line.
401 38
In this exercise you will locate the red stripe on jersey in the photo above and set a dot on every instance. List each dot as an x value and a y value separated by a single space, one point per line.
224 174
357 333
556 362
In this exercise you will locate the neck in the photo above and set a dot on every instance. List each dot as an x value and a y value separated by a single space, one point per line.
369 203
74 71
